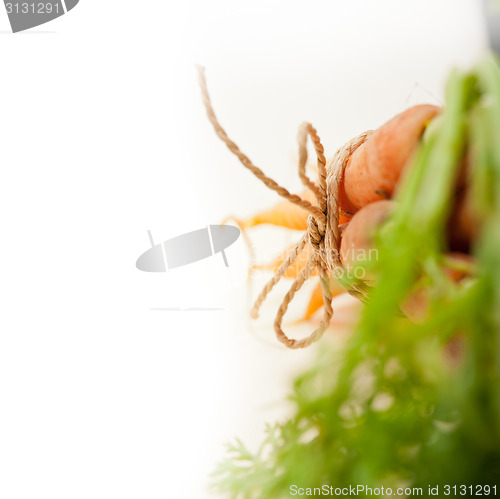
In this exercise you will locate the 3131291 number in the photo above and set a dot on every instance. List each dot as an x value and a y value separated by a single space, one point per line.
471 490
32 8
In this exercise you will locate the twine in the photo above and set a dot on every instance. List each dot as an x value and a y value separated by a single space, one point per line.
323 221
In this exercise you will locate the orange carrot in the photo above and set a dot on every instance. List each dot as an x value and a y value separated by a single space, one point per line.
375 167
316 300
283 214
295 269
358 236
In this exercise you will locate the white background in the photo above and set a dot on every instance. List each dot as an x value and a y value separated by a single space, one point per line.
103 136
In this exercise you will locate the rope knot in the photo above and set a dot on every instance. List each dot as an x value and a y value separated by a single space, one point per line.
315 234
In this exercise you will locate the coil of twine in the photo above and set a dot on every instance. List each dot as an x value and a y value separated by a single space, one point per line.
323 222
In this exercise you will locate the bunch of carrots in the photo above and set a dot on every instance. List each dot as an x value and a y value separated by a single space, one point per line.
398 404
370 182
